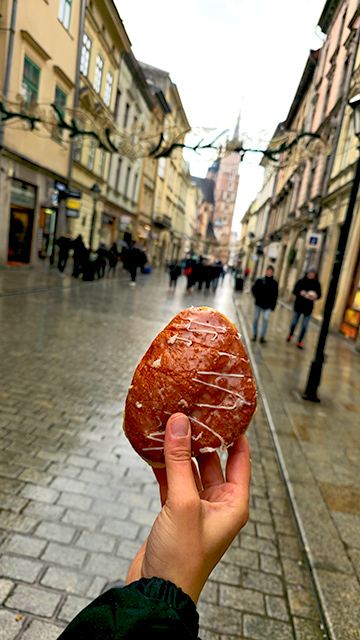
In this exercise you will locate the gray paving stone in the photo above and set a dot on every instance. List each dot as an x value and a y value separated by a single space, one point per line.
258 515
259 544
226 573
44 511
5 588
33 600
266 531
264 582
9 625
34 476
105 492
289 546
219 619
137 499
81 502
72 606
64 555
349 525
19 568
258 628
81 461
12 503
66 471
308 630
24 545
8 471
38 630
94 477
96 587
69 484
269 564
242 557
66 580
128 549
107 566
295 572
210 592
142 517
10 485
96 541
106 508
277 608
301 600
284 524
33 462
241 599
55 531
122 528
40 493
80 519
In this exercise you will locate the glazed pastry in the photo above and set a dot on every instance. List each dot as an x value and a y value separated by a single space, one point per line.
196 365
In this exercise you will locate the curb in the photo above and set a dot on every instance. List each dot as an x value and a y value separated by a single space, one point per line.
328 629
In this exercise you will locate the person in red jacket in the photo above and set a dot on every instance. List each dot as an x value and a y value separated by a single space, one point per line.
306 290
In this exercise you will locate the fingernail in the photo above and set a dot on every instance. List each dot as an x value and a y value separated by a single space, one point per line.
180 426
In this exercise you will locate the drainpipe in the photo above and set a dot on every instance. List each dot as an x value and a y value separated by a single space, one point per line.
77 83
9 61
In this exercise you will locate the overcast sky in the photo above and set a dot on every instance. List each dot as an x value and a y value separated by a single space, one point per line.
228 56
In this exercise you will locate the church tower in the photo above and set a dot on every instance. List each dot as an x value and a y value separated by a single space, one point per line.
225 174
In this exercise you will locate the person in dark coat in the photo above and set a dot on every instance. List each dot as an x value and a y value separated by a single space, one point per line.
306 290
167 575
133 260
265 292
81 255
64 244
113 258
190 273
174 273
100 263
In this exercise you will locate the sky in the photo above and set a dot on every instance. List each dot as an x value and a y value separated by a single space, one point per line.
228 57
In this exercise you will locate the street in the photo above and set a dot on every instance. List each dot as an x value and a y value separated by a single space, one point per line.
77 502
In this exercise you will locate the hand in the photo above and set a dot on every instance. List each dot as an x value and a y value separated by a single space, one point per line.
312 296
201 514
303 293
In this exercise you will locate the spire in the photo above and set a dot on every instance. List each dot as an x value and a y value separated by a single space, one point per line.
236 135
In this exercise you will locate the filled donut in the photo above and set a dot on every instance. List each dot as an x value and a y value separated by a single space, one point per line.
196 365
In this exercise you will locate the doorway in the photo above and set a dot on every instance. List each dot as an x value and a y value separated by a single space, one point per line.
20 235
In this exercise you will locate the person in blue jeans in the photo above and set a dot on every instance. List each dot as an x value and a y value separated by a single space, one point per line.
306 290
265 292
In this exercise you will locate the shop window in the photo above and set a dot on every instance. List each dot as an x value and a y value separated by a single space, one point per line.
108 89
30 81
85 55
98 73
65 12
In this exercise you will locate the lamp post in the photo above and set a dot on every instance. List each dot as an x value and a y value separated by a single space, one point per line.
313 382
95 190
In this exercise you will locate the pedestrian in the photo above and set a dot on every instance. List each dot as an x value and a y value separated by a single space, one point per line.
189 272
113 258
100 262
64 244
306 290
167 575
265 292
218 270
133 261
81 256
174 273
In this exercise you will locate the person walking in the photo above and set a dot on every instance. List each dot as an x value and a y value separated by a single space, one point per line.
113 257
265 292
174 273
64 244
134 259
306 290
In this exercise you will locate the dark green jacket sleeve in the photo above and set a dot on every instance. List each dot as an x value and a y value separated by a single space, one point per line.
146 609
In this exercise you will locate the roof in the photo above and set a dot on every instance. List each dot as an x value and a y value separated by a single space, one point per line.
207 188
328 14
303 86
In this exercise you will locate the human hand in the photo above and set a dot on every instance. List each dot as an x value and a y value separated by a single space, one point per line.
303 293
201 513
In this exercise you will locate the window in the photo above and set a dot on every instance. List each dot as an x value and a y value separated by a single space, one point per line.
118 172
134 186
161 167
117 103
60 101
108 89
98 73
91 157
65 12
85 55
30 81
102 163
126 116
127 181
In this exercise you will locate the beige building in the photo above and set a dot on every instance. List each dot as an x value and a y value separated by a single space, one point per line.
41 70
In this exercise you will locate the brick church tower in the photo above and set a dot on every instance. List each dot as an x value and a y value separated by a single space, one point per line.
224 173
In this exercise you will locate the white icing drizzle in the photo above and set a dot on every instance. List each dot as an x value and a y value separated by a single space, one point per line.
216 386
223 353
157 363
218 406
217 435
176 337
204 324
138 405
183 403
195 438
158 437
207 450
222 375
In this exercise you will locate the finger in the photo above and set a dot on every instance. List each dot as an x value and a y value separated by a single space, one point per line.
238 468
160 475
181 484
210 470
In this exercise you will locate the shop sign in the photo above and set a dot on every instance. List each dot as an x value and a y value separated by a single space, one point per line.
106 219
22 194
272 251
314 240
72 207
124 222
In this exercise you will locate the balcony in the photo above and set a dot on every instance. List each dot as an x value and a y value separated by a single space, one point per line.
162 222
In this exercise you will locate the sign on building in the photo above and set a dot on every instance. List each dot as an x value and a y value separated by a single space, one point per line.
314 240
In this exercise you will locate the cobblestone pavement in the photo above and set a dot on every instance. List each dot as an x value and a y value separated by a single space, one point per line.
319 445
76 501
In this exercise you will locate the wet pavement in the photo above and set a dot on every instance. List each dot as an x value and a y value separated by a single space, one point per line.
76 501
318 447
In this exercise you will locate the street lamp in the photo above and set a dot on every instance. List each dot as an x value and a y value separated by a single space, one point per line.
313 382
95 190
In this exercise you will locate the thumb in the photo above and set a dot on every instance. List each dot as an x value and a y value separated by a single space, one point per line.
177 451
